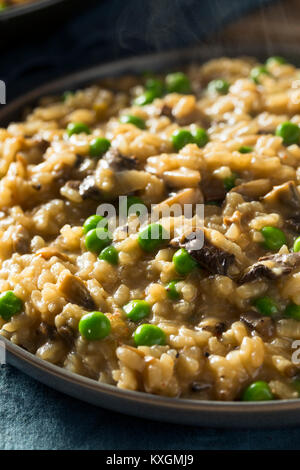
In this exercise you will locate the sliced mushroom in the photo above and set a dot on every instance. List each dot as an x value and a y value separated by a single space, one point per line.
294 223
186 196
257 271
46 331
287 259
271 267
41 144
89 190
214 326
263 325
167 111
118 162
75 291
213 189
253 189
286 194
66 333
210 257
50 251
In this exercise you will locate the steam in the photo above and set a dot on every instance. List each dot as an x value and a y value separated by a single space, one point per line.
156 24
162 24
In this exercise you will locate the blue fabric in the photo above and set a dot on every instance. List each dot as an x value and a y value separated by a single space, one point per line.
33 416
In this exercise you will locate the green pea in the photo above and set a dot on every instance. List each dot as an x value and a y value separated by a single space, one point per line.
229 182
131 201
200 137
292 311
219 86
110 254
289 132
97 239
93 221
172 291
134 120
275 60
99 146
178 82
296 246
10 305
256 73
180 138
274 238
94 326
245 149
152 237
156 86
149 335
183 261
266 306
153 89
257 391
145 98
77 128
136 310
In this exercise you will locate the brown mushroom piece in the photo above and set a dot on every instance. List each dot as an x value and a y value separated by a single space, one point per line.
264 326
50 251
67 334
46 331
167 111
118 162
286 195
43 145
185 196
213 189
253 189
75 291
294 223
209 257
214 326
271 267
89 190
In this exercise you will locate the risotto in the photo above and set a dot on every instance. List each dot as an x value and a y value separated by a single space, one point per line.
145 306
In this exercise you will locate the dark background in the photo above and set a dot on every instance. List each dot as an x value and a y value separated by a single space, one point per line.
90 32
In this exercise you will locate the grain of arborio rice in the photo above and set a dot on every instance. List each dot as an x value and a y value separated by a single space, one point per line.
217 342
